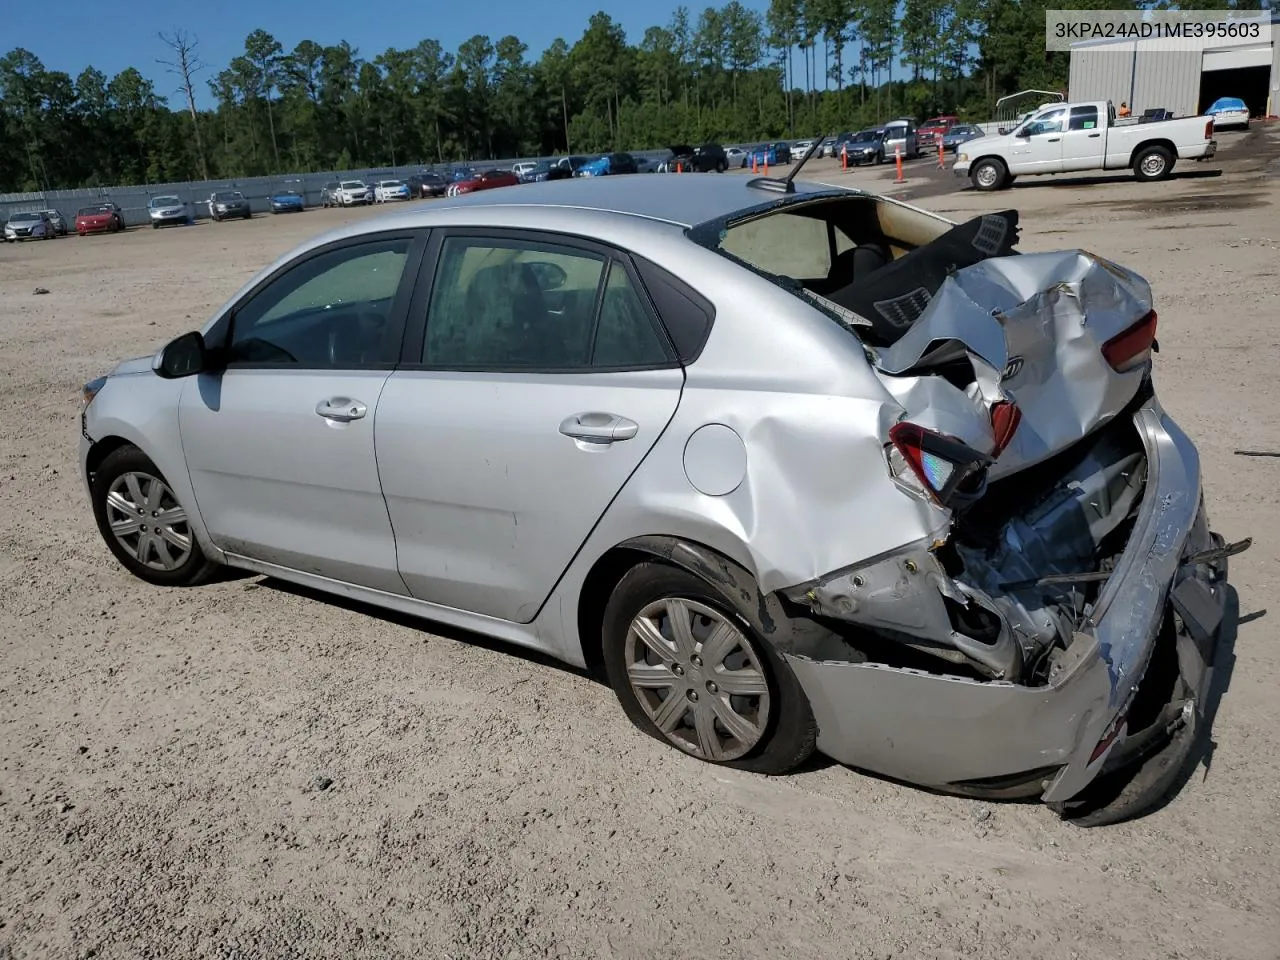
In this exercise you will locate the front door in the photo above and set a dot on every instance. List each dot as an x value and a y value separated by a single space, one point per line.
280 443
1037 145
541 383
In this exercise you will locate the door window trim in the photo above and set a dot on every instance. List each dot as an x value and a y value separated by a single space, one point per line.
416 329
221 330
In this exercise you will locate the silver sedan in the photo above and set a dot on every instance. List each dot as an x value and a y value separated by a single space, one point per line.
791 469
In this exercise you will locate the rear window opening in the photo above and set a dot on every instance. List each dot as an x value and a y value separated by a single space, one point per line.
870 263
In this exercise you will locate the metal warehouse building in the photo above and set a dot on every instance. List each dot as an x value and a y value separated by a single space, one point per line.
1184 75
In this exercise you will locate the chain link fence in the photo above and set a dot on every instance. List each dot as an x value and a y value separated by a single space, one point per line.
134 199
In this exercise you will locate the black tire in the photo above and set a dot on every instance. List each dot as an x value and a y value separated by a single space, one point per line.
1153 163
721 166
989 173
196 568
249 215
790 732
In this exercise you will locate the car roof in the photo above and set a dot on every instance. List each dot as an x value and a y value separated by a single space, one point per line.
679 201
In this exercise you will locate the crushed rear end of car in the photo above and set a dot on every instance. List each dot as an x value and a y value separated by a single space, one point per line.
1049 624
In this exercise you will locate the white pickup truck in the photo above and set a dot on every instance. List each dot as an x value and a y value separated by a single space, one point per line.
1070 137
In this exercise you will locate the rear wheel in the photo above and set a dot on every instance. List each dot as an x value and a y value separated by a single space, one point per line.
1153 163
143 523
989 174
721 166
691 672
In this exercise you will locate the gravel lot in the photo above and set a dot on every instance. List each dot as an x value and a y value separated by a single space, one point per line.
245 770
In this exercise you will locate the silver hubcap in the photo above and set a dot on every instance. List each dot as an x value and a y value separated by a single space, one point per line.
147 521
1153 165
698 678
987 175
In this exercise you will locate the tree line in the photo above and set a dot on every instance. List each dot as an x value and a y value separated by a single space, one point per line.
726 74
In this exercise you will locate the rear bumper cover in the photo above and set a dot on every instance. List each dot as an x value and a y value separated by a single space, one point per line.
944 732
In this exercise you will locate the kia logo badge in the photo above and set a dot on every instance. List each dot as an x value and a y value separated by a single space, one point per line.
1012 369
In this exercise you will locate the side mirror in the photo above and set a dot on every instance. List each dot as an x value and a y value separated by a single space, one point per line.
184 356
1003 131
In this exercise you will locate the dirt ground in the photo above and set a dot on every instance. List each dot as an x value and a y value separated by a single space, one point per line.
244 770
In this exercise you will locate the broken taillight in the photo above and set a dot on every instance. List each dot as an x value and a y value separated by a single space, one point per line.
949 471
1005 417
1132 348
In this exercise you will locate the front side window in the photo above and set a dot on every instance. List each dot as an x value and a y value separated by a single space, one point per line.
331 310
1046 123
514 304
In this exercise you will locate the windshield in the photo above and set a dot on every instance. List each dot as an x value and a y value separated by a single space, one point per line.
393 183
864 135
23 217
165 201
227 196
352 185
91 211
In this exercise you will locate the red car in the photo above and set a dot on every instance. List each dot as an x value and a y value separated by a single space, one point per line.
487 181
99 218
929 132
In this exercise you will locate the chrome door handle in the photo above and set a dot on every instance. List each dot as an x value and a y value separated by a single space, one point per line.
341 409
599 427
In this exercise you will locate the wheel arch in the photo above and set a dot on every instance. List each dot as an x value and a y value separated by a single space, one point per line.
768 614
102 448
1148 144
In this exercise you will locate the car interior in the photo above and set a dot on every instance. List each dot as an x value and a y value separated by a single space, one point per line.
881 261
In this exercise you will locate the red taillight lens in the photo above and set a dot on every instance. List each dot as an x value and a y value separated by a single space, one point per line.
1131 349
1117 725
1208 130
949 471
1005 417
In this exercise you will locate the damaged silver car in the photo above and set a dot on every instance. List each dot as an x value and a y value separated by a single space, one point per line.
794 469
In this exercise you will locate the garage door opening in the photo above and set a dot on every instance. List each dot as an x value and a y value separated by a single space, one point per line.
1248 83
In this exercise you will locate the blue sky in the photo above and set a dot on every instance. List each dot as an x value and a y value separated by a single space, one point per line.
112 36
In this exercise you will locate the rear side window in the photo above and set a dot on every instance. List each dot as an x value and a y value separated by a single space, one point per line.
1084 118
527 304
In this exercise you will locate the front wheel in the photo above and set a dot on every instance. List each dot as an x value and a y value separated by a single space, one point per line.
721 166
691 672
1153 163
988 175
143 523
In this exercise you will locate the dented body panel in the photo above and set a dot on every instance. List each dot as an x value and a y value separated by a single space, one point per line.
941 730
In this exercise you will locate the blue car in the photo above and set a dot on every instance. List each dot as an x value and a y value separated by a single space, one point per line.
760 155
1228 112
287 201
610 163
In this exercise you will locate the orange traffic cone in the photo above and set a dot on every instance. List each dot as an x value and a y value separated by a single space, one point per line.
942 160
753 164
679 167
766 164
898 156
844 157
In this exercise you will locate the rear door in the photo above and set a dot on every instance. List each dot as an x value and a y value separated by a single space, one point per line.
1084 142
538 385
